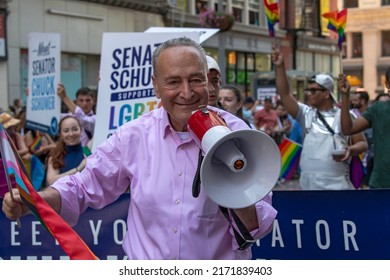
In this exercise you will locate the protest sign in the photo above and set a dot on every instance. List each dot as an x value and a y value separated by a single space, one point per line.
44 72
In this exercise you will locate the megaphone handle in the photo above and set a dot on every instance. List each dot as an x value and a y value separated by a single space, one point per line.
196 182
245 239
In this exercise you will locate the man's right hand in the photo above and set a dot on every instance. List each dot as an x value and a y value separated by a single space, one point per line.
277 56
344 85
61 92
14 208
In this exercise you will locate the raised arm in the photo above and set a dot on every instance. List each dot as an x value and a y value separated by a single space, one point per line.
61 92
282 86
349 126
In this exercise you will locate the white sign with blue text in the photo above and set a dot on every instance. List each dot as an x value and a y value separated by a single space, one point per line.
44 73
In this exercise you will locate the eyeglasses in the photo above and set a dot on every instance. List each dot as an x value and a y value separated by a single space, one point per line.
314 90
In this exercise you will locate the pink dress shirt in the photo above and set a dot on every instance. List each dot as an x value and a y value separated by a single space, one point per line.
164 220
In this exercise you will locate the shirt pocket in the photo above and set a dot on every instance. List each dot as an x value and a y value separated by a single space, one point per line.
210 211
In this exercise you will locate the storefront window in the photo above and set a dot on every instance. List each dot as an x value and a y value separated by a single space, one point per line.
344 50
336 65
355 77
254 18
381 77
232 60
298 14
181 5
237 13
242 66
304 61
385 43
263 62
322 63
254 12
357 45
200 6
351 3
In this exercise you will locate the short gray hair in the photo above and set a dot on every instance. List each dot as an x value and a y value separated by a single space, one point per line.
177 42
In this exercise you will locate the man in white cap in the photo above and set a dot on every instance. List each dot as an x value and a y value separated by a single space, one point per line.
214 82
321 169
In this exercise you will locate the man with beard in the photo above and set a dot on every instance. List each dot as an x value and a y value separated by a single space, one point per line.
359 102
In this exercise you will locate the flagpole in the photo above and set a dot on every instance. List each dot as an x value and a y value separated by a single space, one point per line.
341 62
7 175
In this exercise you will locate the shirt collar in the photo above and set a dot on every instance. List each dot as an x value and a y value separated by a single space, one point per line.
167 129
90 113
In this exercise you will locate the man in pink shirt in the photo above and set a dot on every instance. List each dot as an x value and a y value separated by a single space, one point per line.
156 157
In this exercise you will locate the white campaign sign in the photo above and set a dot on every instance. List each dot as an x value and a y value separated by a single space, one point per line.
204 33
125 87
44 73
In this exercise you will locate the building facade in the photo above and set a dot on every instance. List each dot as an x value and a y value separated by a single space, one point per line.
80 24
366 53
242 51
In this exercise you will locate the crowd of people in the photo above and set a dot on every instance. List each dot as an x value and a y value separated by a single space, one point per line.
281 117
48 157
164 220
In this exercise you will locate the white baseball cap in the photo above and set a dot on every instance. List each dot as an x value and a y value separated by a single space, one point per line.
324 81
212 64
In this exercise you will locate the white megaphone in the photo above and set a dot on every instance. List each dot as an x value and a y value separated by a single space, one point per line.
239 167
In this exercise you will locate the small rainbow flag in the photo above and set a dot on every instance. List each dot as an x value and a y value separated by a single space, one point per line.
291 153
68 239
272 13
36 144
337 22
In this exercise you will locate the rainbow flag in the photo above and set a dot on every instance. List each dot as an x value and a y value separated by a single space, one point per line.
272 13
68 239
36 144
337 22
291 153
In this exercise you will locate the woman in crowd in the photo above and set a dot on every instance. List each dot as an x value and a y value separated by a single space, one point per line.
67 157
231 100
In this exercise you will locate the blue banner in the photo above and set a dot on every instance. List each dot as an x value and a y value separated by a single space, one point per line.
328 225
310 225
103 231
